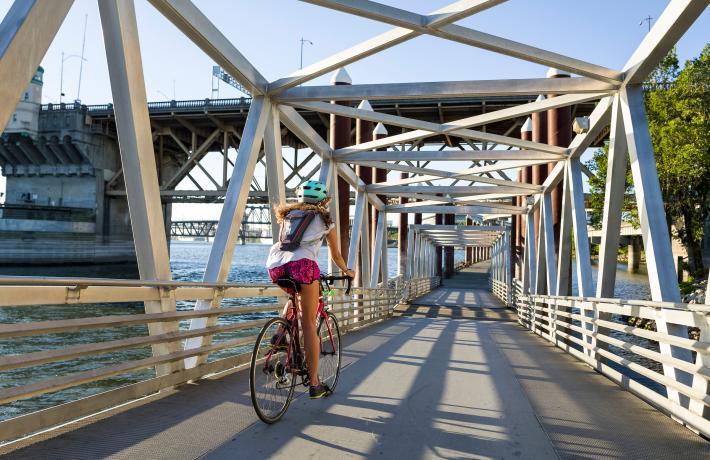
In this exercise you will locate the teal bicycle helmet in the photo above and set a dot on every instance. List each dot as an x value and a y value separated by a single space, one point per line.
312 192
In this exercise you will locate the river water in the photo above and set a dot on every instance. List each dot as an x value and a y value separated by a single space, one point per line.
188 261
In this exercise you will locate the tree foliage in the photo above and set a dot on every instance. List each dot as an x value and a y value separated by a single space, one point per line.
679 122
678 110
597 187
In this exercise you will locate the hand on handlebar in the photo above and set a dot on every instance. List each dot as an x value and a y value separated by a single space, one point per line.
350 273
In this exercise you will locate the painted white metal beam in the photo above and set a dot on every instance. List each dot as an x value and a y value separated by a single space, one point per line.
613 204
26 32
464 209
428 174
300 127
275 183
416 22
453 155
198 28
120 29
445 15
675 20
220 259
445 89
656 239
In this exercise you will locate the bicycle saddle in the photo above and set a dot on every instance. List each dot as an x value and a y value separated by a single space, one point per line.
288 283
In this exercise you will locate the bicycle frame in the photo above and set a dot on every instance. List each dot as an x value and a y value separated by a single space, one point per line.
295 342
295 330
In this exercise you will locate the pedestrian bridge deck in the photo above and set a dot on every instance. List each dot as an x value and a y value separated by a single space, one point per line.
452 376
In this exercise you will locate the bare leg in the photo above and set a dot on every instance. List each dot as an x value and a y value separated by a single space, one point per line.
309 305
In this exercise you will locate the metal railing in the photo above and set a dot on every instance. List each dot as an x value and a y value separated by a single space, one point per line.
362 307
499 290
631 356
160 106
420 286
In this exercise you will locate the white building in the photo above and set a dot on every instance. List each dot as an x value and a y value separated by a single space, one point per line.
25 119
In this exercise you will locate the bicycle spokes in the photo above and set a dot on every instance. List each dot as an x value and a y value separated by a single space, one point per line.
271 378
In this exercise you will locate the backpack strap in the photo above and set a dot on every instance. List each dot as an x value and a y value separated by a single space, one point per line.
291 239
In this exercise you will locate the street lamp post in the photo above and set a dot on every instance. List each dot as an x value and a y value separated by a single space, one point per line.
303 40
61 73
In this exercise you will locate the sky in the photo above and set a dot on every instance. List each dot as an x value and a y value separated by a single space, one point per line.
267 32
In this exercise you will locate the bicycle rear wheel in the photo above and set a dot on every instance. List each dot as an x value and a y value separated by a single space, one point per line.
330 356
271 380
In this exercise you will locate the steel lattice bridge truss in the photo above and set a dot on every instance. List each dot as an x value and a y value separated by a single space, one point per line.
30 27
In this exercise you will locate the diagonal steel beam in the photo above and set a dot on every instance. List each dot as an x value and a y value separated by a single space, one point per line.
453 155
675 20
198 28
460 127
445 89
26 32
393 37
413 21
427 174
300 127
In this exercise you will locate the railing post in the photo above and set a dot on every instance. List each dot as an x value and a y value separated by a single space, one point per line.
509 261
408 274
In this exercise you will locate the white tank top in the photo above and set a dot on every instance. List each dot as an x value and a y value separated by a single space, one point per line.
310 245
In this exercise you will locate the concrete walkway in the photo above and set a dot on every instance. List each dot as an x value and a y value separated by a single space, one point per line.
413 387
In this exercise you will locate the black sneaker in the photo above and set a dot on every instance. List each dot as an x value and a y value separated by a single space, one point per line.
319 391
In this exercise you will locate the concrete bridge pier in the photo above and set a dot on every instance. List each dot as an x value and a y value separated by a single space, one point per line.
634 253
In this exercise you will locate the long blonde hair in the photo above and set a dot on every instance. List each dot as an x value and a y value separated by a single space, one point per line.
322 208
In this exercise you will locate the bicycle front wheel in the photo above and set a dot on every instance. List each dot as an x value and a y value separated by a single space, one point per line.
271 379
330 356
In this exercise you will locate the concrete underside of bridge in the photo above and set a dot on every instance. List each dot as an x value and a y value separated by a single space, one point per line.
453 376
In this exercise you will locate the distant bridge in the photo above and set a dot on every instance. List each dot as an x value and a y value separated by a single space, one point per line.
255 224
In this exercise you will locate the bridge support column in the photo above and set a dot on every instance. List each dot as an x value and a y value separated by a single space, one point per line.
559 133
468 250
439 220
340 129
634 254
539 134
363 133
449 219
525 177
402 234
380 175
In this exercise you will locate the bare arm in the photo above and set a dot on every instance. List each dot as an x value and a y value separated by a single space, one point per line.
334 247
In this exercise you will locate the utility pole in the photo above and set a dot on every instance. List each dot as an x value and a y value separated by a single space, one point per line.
303 40
647 19
81 65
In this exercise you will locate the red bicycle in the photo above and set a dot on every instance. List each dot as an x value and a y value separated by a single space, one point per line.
278 359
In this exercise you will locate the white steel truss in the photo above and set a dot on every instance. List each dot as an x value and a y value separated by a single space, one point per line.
433 190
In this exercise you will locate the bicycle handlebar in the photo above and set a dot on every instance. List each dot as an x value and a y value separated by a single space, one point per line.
348 281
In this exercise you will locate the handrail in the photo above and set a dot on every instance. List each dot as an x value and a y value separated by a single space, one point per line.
584 327
156 106
66 281
364 306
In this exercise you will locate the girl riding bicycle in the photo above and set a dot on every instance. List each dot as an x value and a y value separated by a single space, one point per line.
303 227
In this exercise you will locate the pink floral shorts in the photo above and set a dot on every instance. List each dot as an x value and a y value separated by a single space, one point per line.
302 271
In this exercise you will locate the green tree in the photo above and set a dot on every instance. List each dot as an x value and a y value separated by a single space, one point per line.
597 188
679 122
678 109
